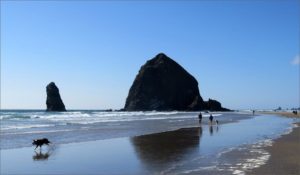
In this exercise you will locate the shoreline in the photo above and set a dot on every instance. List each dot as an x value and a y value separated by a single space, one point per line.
145 153
284 114
284 152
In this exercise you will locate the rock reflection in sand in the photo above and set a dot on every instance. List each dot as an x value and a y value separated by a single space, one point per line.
157 151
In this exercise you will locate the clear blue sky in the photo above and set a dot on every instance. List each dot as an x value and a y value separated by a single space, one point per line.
243 53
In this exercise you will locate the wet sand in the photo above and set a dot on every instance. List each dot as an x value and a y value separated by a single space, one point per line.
285 154
183 151
147 154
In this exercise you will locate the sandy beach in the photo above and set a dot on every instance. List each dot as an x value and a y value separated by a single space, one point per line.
193 150
284 152
284 158
285 114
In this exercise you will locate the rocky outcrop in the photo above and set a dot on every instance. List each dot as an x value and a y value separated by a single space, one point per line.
54 102
162 84
214 105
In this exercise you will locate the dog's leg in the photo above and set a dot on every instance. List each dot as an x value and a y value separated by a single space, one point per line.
36 147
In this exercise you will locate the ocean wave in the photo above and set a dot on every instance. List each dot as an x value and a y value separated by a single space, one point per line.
43 131
100 114
91 117
101 117
3 117
13 127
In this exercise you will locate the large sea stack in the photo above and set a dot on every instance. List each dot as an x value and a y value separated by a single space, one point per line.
54 102
163 85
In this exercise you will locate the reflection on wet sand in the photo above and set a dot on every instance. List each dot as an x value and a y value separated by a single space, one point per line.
44 155
157 151
212 128
41 156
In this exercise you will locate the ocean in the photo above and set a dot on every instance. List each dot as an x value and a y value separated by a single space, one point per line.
20 127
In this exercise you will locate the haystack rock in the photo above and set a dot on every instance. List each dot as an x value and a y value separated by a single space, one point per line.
54 102
163 85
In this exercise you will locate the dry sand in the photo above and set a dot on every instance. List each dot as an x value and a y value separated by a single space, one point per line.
285 114
285 153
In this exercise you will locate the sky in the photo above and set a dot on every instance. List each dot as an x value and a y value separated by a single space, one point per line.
244 53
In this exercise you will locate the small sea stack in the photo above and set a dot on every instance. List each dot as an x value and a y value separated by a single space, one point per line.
54 102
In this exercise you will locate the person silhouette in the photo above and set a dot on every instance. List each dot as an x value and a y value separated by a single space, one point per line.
200 118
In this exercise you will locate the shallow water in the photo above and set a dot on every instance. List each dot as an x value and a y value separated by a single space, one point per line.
186 151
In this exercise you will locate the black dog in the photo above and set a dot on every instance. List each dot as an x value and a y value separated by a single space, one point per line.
40 142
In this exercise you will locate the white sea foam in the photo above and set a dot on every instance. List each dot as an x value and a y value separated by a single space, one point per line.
256 157
225 151
290 129
261 156
199 169
238 172
24 126
40 132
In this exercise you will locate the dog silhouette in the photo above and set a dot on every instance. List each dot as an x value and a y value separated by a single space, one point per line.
40 142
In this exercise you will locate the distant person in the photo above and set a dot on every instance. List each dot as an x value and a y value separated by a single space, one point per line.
253 112
200 117
295 112
217 122
211 118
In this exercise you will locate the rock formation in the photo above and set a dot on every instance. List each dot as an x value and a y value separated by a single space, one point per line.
214 105
162 85
54 102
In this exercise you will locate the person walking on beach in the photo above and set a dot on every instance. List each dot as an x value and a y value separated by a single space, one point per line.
211 118
200 118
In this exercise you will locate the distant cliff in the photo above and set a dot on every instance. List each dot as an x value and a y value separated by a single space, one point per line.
162 85
54 102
